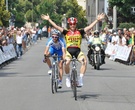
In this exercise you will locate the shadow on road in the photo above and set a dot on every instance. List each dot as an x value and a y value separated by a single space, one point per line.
64 91
8 74
88 96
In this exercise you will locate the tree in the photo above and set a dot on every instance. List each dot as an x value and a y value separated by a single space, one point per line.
124 9
4 14
71 9
30 11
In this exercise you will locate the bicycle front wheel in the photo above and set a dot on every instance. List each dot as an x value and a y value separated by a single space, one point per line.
74 83
56 77
53 84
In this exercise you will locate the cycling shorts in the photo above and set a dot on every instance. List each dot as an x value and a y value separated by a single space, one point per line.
74 52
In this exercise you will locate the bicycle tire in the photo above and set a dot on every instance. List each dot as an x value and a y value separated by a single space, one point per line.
74 83
53 80
56 78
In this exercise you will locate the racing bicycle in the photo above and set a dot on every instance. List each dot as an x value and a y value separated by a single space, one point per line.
73 77
55 73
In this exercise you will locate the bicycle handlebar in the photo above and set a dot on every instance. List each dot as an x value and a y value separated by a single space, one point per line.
54 56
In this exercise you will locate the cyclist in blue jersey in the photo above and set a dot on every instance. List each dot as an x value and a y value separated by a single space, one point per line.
55 44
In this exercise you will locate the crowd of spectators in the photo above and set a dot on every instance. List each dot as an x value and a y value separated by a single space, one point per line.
21 38
122 37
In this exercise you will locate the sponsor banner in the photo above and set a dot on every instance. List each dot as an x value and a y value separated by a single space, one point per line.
118 51
123 53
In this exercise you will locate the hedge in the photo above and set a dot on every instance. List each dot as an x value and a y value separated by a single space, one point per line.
126 25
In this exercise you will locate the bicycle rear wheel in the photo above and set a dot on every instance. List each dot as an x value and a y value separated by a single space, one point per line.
74 83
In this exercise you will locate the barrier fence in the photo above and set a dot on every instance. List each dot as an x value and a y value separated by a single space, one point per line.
8 54
118 52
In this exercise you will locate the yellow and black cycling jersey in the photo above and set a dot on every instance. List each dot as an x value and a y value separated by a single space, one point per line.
73 38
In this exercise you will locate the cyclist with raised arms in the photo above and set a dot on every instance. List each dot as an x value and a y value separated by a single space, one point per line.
55 44
73 37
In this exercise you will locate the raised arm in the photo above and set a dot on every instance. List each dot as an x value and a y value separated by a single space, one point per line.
99 18
47 17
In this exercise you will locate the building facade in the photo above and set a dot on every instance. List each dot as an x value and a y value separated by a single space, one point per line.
91 9
82 3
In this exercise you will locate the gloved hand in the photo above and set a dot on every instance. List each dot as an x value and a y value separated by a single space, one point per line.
44 60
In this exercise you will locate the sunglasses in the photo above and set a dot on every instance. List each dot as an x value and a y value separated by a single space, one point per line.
72 23
54 36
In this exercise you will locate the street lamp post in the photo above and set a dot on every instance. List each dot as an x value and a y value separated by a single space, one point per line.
32 15
7 5
64 21
97 5
114 18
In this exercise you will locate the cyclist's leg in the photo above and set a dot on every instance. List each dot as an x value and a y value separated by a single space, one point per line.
67 68
61 69
48 61
67 63
82 59
59 52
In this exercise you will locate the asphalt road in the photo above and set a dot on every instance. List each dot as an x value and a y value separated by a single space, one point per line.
25 85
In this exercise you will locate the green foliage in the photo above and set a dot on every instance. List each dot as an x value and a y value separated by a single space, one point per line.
4 14
30 10
72 9
104 24
123 8
126 25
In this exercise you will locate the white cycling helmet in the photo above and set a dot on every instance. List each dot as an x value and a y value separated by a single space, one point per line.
55 31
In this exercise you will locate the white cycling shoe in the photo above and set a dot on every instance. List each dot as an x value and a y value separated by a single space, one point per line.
59 84
80 82
50 71
68 84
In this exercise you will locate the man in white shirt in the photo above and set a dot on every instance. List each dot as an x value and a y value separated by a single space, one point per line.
115 38
19 39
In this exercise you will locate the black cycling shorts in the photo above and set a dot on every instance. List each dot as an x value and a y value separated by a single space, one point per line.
74 51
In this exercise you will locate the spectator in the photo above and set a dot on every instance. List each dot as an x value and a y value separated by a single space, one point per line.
1 42
115 38
129 39
44 31
19 48
123 39
39 33
49 31
34 35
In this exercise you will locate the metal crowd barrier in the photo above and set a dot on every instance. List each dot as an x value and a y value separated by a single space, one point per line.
8 54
